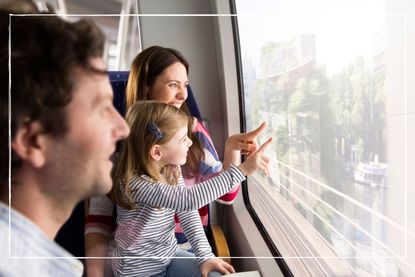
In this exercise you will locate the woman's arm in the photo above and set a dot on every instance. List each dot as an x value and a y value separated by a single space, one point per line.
240 144
98 228
234 146
96 245
211 166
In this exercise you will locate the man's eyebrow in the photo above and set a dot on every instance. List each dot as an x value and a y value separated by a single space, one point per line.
99 71
101 98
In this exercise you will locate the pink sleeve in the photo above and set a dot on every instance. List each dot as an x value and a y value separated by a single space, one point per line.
100 216
228 198
211 166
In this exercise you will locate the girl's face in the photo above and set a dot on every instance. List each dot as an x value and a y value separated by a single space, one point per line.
170 86
175 151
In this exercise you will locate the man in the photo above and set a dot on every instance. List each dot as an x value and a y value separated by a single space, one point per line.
63 131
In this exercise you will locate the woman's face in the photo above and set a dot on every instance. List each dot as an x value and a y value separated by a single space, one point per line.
170 86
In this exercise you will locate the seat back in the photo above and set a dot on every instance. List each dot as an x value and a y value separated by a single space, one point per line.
118 81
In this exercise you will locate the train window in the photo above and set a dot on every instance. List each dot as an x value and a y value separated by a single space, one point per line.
328 77
122 32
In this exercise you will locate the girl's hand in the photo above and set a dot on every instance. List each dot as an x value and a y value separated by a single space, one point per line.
256 161
215 264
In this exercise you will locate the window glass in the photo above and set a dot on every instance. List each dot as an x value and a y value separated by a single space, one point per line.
328 77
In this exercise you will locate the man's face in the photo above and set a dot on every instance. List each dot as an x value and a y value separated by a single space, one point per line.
80 161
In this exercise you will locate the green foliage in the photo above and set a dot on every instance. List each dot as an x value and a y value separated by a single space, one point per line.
282 145
269 58
319 110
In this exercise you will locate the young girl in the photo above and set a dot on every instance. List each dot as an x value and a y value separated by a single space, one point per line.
148 190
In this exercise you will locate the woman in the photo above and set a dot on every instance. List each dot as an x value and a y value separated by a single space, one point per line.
161 74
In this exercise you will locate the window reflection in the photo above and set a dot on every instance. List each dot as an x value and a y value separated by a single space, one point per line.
317 76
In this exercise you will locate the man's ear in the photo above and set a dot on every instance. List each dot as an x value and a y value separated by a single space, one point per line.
156 152
29 144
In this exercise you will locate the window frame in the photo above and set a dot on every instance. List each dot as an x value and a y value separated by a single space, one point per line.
238 59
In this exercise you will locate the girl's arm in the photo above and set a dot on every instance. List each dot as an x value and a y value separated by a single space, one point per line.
193 230
181 198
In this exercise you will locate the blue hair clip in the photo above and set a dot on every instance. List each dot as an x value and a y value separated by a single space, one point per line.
154 130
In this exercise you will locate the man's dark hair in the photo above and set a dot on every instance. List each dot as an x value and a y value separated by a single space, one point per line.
45 50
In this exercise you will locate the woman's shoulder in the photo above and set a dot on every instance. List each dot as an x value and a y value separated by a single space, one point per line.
199 127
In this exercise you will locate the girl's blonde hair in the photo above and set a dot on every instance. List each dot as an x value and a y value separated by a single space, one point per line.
135 156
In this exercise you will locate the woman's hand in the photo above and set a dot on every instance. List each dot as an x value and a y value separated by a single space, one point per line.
215 264
241 144
256 161
245 142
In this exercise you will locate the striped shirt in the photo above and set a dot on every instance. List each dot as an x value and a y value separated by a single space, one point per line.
145 235
32 253
100 213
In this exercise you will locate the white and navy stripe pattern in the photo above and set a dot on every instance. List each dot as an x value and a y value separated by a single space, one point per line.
148 230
